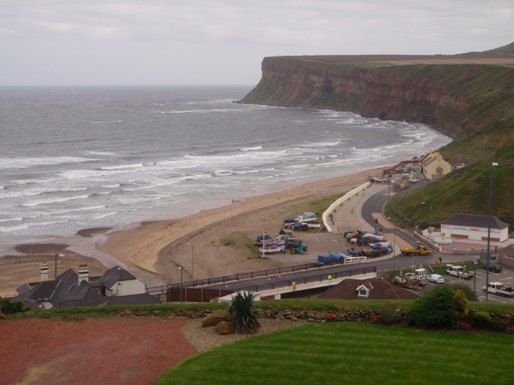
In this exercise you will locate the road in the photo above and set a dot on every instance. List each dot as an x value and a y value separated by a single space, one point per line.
371 206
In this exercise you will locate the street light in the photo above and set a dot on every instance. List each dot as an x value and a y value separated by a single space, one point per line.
192 261
181 280
489 220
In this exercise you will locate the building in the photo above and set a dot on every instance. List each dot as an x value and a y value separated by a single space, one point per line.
76 288
474 228
367 289
430 166
433 166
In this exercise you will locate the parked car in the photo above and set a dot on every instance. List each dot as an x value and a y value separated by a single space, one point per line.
435 278
493 267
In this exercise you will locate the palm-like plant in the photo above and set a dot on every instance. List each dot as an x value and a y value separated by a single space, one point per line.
243 313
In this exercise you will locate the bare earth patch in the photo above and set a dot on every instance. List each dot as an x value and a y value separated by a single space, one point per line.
108 351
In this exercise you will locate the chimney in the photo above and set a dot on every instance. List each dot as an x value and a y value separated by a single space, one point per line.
43 270
83 273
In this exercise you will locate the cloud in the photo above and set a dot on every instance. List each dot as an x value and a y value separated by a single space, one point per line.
229 34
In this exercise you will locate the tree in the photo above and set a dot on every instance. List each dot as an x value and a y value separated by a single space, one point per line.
243 313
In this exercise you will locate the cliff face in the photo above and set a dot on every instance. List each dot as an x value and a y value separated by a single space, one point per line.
458 99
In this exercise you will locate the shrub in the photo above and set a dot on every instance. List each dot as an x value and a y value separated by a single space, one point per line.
243 313
444 306
10 307
484 320
390 316
468 291
480 319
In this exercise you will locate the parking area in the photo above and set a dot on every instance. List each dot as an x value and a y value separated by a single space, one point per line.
478 283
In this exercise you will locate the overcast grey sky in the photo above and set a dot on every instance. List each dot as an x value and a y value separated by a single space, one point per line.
91 42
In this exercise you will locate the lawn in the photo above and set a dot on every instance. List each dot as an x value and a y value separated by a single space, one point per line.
353 353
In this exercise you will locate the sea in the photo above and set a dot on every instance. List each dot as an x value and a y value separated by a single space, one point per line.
81 157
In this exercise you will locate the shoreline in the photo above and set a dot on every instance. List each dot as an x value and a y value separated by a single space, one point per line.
153 250
152 245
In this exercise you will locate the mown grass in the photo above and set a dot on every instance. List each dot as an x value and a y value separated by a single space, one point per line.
353 353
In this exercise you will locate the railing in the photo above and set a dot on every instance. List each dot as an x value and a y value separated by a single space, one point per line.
308 279
156 290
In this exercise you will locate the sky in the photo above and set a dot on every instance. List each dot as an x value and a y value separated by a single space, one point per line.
223 42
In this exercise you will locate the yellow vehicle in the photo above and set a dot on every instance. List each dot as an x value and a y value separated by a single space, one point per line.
420 250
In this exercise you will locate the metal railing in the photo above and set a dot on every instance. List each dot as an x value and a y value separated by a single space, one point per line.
319 277
155 290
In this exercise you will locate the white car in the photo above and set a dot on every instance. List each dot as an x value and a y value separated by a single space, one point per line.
435 278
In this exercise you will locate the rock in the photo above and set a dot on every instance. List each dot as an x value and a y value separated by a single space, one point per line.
215 317
225 327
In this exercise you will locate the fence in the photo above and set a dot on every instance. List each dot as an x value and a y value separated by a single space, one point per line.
205 294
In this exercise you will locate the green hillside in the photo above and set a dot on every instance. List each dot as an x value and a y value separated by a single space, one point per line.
465 190
508 49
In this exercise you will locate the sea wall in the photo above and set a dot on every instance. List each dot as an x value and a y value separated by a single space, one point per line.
449 97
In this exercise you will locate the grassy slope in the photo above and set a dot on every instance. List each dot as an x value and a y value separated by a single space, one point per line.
466 191
342 353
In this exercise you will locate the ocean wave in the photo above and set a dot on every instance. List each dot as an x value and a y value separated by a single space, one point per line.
27 162
254 148
7 229
106 122
16 219
85 173
202 111
40 202
76 209
123 167
104 215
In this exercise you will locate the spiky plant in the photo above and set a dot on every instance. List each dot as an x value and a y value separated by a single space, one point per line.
243 313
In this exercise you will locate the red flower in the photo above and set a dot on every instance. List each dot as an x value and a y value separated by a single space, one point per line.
331 316
373 317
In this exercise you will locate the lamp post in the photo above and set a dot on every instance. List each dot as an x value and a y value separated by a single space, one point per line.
489 220
192 261
181 280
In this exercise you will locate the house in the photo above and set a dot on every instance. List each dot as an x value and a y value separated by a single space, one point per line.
76 288
430 166
367 289
474 227
433 166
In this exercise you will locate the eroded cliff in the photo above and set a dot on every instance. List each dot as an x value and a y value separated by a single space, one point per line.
458 95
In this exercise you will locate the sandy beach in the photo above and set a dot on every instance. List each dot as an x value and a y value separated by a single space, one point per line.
209 243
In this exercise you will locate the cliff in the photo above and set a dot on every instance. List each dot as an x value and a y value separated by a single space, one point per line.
450 93
468 96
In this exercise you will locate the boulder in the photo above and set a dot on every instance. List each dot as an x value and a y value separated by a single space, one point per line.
215 317
225 327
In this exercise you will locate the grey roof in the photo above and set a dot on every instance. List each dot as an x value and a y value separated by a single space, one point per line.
66 291
113 275
475 221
